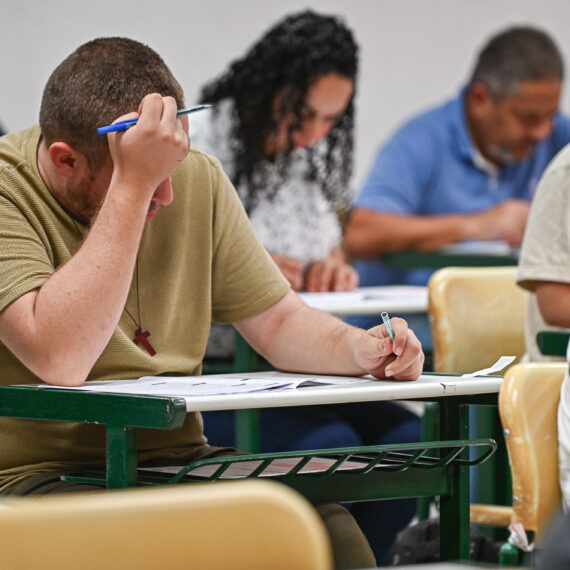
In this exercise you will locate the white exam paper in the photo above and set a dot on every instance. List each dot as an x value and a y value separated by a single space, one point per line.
208 385
499 365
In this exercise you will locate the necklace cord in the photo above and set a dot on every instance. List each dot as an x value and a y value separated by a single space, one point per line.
138 323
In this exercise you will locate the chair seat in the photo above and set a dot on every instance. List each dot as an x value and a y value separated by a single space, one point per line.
249 525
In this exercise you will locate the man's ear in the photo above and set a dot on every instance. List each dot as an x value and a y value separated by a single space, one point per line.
64 158
479 100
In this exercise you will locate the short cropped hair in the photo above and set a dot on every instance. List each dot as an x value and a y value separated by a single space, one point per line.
517 54
100 81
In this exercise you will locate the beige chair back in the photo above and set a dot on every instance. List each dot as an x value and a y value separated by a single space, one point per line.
528 404
477 314
240 525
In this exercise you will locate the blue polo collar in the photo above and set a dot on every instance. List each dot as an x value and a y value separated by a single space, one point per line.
461 135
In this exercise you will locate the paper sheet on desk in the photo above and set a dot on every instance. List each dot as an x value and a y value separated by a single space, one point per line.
386 293
499 365
209 385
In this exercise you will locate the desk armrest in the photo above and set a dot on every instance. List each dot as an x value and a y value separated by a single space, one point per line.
553 343
29 402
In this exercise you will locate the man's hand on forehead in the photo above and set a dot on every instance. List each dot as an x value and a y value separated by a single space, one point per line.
150 152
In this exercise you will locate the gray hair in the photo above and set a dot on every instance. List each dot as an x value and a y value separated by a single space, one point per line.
517 54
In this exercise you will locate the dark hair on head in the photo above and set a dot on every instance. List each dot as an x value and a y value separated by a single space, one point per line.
289 58
100 81
517 54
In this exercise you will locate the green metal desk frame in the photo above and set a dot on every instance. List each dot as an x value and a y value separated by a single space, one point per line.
122 415
412 259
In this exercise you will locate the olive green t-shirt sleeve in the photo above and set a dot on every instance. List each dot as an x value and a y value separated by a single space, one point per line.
245 280
24 261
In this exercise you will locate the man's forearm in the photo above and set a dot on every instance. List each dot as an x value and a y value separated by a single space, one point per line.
315 342
369 234
295 337
60 330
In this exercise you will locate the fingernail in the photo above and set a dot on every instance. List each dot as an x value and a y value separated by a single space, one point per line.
397 350
389 372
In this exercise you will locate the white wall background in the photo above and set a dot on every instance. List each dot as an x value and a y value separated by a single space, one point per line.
414 53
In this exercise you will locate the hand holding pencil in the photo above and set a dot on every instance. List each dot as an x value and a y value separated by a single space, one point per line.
128 123
146 156
390 351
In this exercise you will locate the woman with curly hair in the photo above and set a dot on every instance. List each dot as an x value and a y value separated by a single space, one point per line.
282 127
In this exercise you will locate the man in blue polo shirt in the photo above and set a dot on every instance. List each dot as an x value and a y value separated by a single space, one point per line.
465 170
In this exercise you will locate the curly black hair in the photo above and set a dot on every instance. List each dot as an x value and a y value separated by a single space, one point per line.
290 57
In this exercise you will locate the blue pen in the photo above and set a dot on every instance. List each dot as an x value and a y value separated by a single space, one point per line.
387 324
124 125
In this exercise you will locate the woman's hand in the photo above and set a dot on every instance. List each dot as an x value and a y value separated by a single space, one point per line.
331 274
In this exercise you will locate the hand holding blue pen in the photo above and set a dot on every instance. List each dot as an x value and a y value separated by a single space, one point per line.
128 123
386 320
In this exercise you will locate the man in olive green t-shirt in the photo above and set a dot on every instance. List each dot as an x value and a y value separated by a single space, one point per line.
99 281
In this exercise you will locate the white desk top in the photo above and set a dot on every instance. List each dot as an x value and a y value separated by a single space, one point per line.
371 300
263 389
427 386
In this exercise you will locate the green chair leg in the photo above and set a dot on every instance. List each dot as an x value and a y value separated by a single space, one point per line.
430 432
509 555
485 422
246 425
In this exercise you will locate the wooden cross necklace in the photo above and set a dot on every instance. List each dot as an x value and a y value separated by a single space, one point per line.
141 337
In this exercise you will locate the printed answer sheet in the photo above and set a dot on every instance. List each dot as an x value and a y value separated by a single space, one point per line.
209 385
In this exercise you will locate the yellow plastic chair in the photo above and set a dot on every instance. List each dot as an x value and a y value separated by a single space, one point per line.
477 314
528 405
240 525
